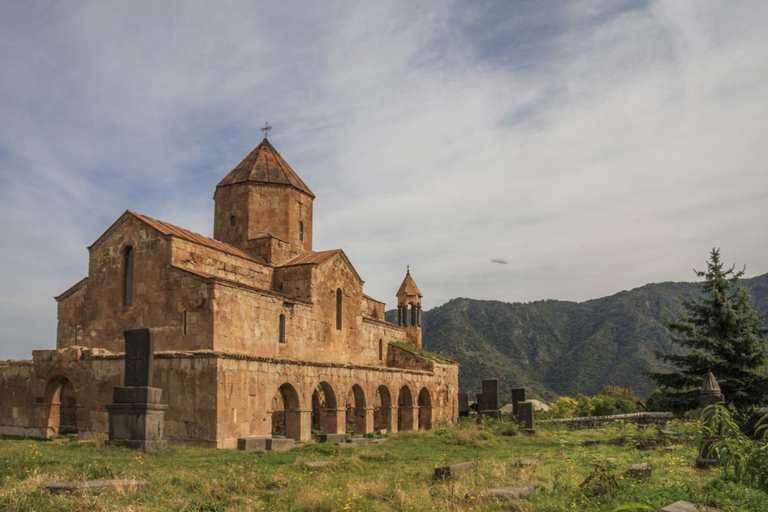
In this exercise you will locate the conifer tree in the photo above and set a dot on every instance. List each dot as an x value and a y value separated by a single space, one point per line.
719 332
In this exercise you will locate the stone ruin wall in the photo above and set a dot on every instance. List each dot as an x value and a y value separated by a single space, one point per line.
30 406
247 388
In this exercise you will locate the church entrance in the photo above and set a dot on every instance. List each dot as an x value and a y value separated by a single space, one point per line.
61 405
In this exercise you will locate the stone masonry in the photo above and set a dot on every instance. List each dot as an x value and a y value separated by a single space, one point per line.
255 333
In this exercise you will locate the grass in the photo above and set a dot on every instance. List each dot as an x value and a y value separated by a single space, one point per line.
397 475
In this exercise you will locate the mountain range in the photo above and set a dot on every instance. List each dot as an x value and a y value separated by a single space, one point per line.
560 348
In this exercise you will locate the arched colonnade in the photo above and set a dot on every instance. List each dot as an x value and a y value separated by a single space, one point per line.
330 408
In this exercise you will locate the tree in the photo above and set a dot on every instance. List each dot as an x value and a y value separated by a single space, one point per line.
722 333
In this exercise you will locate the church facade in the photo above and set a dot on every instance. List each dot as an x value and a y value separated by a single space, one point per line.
255 332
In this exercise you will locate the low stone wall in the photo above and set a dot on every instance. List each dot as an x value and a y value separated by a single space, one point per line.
640 418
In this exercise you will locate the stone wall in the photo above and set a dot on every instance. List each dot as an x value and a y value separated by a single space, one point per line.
177 305
247 389
31 405
208 261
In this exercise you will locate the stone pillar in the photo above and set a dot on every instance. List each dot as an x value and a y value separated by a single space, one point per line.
332 420
518 395
488 400
709 394
369 427
525 416
136 416
463 404
393 415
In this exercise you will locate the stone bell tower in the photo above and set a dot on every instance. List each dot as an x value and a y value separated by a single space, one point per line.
264 208
409 309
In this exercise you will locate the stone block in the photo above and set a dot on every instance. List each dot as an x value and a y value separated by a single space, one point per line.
252 444
463 404
518 395
527 463
525 414
490 395
332 438
453 470
639 471
139 360
358 441
280 445
687 506
515 492
316 464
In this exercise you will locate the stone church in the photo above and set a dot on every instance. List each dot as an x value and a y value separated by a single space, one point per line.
255 332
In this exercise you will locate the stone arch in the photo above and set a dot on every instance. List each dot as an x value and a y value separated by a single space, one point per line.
356 409
325 409
61 406
405 410
382 409
286 412
425 409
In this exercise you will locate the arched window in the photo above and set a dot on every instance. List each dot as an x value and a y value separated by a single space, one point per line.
281 328
232 221
381 350
338 309
128 276
301 231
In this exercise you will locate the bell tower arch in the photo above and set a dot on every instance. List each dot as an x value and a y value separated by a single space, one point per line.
409 309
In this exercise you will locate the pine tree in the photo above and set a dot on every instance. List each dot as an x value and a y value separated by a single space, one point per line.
720 332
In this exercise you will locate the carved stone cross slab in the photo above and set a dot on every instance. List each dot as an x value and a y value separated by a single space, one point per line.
139 350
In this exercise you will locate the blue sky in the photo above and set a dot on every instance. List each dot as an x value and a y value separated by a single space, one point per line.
592 146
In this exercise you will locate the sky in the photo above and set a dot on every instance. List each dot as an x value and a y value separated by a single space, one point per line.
510 150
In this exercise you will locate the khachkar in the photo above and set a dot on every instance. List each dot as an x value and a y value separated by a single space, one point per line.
137 418
709 394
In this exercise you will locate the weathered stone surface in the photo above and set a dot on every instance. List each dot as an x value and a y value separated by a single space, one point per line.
316 464
453 470
527 463
647 444
525 414
379 441
639 471
332 438
96 486
139 357
687 506
250 444
463 404
518 395
515 492
280 445
358 441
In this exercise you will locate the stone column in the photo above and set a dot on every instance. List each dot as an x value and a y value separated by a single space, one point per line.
709 394
393 419
369 427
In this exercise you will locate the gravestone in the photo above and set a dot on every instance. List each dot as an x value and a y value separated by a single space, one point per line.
463 405
136 416
488 400
518 395
709 394
525 416
454 470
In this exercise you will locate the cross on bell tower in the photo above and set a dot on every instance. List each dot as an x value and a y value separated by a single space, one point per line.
266 129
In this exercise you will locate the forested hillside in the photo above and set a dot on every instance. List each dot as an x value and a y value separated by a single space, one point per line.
562 348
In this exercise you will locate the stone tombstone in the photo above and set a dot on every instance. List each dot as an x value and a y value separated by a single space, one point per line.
463 404
139 357
709 394
525 416
518 395
490 394
136 415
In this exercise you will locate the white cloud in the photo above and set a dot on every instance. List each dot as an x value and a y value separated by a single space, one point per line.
594 148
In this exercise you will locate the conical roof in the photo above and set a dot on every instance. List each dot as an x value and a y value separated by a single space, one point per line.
710 384
265 165
409 287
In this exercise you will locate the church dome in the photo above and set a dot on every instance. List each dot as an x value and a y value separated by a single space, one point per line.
265 165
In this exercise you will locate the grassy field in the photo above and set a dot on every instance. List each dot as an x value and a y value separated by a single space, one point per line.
397 475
